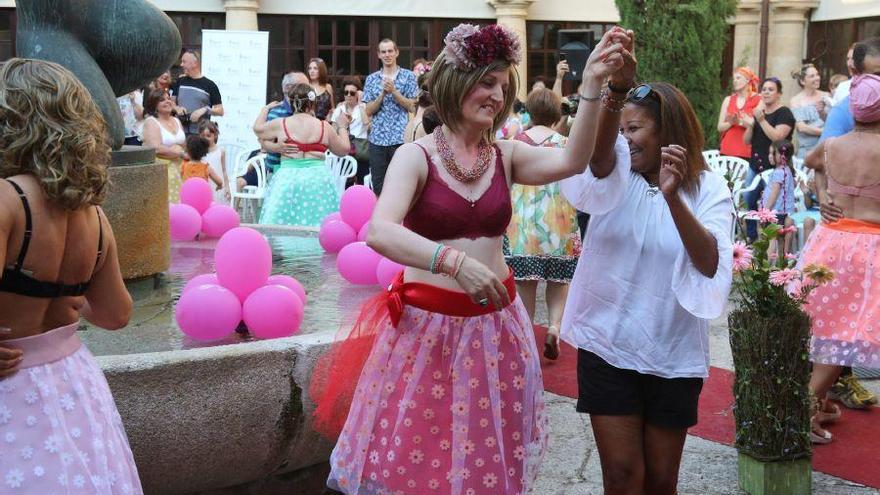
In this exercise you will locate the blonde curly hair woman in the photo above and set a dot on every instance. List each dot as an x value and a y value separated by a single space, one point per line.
59 263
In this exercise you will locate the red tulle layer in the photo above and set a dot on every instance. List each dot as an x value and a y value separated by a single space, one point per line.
337 372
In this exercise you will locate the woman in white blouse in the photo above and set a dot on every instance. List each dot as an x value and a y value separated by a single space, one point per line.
360 124
656 266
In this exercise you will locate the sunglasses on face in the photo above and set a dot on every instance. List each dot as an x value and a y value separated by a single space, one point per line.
350 93
640 92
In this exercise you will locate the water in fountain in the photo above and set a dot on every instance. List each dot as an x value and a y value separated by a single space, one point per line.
331 299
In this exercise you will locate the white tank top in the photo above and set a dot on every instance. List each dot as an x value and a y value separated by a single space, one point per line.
169 139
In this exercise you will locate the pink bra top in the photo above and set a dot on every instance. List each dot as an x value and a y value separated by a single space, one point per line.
871 191
441 213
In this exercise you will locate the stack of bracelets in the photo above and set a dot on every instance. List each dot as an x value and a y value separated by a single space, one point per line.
613 99
440 257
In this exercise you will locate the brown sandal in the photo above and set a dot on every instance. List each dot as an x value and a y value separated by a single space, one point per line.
551 345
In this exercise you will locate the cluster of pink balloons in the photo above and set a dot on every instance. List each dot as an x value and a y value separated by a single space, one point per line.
196 213
212 305
345 233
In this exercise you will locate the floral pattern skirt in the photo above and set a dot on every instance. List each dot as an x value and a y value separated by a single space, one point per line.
448 405
174 180
59 427
846 311
542 240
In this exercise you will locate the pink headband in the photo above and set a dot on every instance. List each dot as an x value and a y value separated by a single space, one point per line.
864 98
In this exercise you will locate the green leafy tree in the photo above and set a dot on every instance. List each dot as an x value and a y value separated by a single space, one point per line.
681 42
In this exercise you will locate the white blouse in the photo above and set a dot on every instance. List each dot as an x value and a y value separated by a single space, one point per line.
636 300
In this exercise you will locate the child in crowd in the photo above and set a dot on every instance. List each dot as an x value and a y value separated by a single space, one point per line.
195 166
779 193
216 158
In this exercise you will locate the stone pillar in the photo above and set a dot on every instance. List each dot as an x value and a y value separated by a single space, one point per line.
512 15
787 41
241 15
747 35
137 209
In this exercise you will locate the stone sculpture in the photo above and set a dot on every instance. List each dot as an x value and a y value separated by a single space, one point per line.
112 46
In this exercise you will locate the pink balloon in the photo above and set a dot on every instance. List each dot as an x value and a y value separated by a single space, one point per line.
218 220
357 263
204 279
357 205
196 192
387 270
185 222
273 311
291 283
336 234
329 218
208 312
362 234
243 260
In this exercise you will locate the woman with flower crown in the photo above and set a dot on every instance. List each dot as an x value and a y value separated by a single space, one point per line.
302 191
450 397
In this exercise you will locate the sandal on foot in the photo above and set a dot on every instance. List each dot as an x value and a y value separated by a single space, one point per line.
551 345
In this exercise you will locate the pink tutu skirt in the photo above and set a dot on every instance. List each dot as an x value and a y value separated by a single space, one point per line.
846 311
446 404
60 432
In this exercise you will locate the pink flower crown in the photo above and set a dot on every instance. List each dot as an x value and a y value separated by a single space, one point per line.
469 46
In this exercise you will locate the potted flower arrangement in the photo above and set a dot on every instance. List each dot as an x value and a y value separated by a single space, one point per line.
769 337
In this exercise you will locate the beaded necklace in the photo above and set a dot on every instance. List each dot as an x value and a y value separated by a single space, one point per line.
447 156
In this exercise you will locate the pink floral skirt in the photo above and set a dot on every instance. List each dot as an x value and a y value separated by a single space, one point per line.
846 311
60 431
446 404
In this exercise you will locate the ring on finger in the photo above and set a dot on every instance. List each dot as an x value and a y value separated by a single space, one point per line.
483 302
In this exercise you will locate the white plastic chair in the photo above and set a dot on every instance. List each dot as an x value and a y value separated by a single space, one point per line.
763 177
368 181
249 194
731 166
708 155
342 168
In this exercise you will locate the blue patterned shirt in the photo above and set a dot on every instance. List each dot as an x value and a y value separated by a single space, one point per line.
387 125
281 111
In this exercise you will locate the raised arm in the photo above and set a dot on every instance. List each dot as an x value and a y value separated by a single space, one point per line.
540 165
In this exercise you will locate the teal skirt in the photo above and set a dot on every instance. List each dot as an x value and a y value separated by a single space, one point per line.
301 192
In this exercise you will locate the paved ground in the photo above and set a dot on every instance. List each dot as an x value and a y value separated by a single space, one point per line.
571 466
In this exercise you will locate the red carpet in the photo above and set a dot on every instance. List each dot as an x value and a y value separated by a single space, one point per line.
852 455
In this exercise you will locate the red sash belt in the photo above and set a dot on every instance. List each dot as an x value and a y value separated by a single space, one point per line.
437 300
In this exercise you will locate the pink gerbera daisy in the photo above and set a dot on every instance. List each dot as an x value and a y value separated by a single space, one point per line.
742 256
763 215
784 276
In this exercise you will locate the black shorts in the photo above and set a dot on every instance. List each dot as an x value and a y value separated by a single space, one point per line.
608 391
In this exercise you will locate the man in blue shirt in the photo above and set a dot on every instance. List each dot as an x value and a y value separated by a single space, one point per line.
390 94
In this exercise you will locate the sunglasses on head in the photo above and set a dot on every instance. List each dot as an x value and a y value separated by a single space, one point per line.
350 93
640 92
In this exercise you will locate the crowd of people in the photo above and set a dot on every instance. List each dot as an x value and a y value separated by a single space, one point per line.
439 386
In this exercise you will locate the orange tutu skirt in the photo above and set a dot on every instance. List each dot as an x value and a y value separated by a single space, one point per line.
846 311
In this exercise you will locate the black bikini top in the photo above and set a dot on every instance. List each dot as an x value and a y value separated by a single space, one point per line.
17 281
